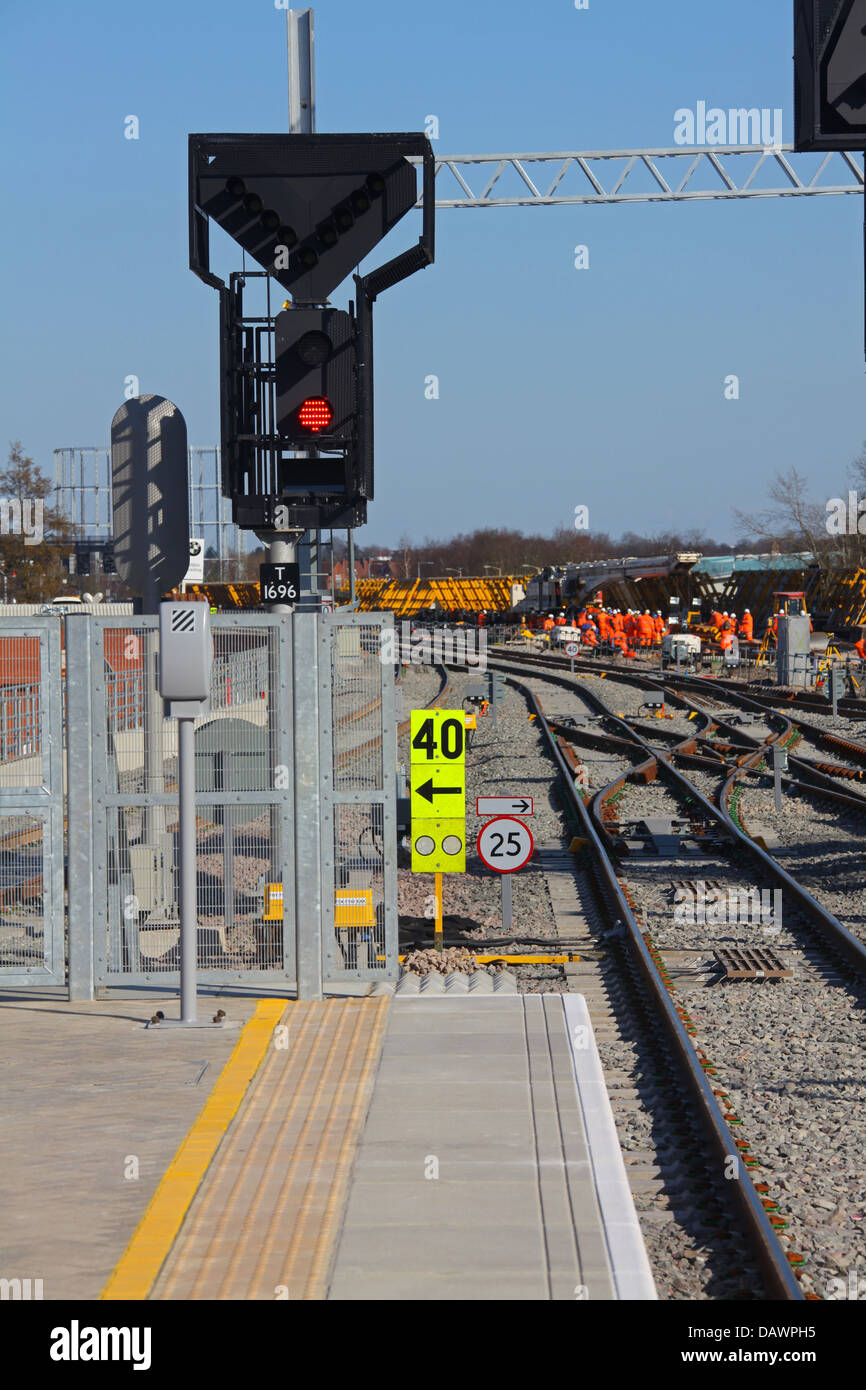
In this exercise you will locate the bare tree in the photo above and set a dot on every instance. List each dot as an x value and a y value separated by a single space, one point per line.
792 520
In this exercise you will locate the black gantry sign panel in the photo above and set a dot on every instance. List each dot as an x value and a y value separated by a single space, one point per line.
308 208
830 74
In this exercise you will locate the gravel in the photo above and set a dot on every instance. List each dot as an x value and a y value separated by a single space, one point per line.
821 846
508 759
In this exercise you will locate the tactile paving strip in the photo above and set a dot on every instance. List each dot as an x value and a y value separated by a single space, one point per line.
264 1221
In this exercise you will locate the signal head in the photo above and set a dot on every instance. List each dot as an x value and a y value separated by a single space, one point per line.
315 414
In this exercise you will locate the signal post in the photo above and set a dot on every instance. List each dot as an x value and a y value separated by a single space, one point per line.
296 388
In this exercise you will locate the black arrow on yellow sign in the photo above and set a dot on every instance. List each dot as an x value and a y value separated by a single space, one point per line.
428 791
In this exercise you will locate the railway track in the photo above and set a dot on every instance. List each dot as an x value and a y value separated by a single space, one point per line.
698 781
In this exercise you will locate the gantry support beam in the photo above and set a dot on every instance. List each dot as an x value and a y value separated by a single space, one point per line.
674 175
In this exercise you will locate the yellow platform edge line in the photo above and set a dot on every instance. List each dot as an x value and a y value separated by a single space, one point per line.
144 1256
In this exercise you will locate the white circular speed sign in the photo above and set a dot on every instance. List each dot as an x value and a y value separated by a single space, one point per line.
505 844
572 649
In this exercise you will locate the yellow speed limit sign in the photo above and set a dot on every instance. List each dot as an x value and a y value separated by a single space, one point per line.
437 786
437 736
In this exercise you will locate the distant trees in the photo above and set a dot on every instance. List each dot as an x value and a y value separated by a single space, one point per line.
489 550
35 538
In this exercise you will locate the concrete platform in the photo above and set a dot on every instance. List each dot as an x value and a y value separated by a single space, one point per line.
93 1108
425 1147
489 1167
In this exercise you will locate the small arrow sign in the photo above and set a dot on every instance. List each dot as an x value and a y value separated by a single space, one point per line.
504 806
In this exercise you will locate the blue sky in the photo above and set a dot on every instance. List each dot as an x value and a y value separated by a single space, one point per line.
558 387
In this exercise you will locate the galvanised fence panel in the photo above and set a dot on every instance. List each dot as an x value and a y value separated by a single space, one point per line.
358 743
243 759
31 803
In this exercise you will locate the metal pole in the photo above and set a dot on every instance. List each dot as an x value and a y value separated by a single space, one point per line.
351 567
506 901
300 41
186 868
780 761
153 821
437 926
311 882
280 552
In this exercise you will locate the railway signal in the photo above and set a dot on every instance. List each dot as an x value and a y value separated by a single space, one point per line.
307 209
830 74
150 496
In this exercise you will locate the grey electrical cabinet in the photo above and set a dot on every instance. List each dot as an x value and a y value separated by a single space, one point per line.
185 651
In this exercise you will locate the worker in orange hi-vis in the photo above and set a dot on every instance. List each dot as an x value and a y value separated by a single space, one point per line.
716 619
482 618
726 639
560 622
860 648
618 622
645 629
747 626
658 627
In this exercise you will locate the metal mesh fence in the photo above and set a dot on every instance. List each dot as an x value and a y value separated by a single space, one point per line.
20 713
356 684
22 891
359 894
360 940
239 855
238 891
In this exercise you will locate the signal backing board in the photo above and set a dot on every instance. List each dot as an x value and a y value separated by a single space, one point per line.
438 791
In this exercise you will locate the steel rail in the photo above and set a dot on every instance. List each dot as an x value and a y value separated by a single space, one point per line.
780 1279
838 936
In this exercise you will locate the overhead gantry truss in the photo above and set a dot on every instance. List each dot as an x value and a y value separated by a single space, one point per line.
675 175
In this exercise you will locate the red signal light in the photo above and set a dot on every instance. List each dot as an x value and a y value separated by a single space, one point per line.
315 414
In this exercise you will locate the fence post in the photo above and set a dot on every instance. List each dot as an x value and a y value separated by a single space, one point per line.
306 734
82 912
